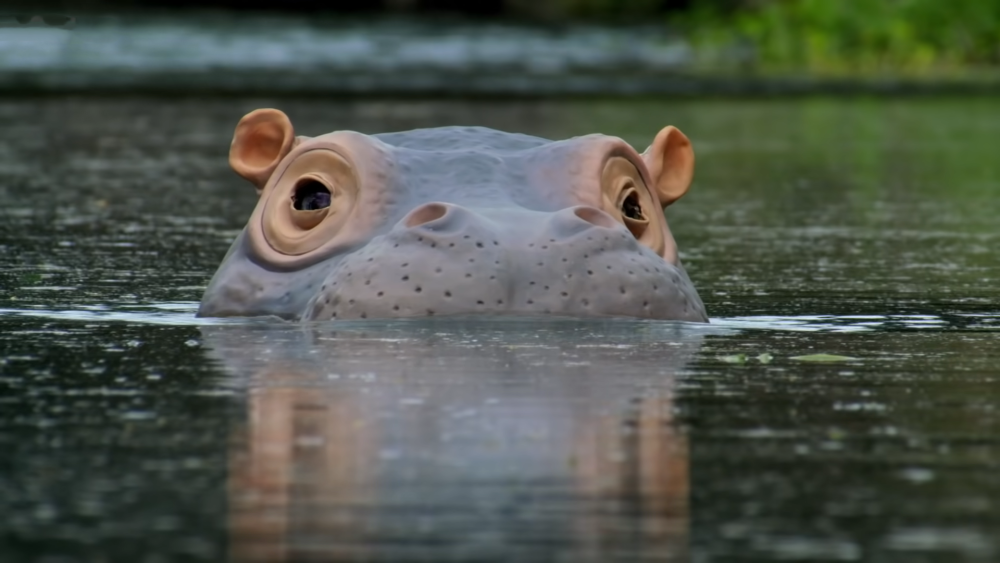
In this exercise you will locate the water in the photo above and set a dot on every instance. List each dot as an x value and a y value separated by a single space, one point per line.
862 228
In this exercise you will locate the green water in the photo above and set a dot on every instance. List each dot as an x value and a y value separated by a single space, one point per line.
132 431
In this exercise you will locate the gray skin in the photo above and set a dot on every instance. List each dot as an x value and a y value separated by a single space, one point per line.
455 221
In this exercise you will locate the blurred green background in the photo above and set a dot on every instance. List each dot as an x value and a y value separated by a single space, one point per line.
932 38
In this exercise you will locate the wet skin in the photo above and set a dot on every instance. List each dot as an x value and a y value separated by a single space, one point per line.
454 221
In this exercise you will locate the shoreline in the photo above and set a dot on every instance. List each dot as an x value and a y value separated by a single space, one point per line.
202 54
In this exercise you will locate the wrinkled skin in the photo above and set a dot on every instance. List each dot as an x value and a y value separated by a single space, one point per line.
454 221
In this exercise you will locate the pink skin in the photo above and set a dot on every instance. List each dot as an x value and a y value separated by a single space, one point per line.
455 221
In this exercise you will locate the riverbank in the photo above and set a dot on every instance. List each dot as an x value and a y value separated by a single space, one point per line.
206 53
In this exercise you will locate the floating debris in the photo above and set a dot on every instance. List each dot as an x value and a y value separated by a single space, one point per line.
734 359
824 358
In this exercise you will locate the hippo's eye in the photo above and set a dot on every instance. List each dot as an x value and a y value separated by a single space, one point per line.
311 195
305 206
631 207
626 197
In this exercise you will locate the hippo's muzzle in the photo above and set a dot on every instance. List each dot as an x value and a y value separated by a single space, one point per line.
443 259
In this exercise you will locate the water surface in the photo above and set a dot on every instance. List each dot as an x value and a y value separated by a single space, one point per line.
862 228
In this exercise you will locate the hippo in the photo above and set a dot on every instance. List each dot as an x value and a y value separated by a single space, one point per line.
454 221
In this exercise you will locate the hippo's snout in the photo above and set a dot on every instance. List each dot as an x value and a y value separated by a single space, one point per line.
444 259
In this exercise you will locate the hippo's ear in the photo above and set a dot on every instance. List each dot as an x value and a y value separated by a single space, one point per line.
262 138
670 160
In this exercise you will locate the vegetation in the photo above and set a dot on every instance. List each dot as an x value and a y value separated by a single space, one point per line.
848 36
822 36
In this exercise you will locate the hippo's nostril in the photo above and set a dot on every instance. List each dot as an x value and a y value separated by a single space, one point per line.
595 217
425 214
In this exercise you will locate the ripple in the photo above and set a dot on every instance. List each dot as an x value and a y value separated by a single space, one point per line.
862 323
182 313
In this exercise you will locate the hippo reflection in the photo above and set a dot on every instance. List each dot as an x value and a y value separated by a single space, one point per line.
479 440
454 221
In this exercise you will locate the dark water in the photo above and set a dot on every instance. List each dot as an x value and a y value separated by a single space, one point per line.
131 431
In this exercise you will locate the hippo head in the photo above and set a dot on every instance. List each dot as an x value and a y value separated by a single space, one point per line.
454 221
